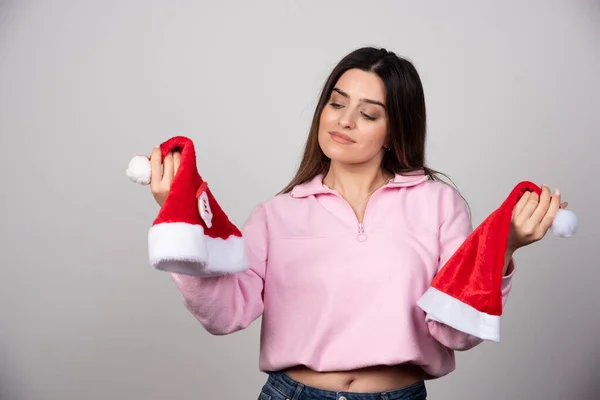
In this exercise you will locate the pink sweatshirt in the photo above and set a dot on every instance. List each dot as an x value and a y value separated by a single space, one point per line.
338 295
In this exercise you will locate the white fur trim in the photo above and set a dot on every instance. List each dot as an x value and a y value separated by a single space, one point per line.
185 249
444 308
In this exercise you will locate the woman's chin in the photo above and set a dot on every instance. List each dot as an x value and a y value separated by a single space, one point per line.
346 159
342 154
339 156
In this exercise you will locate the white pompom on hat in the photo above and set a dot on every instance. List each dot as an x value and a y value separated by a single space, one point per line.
139 170
565 223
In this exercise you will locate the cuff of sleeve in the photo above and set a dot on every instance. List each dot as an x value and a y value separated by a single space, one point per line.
507 278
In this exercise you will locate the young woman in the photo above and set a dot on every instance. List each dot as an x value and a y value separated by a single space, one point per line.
340 257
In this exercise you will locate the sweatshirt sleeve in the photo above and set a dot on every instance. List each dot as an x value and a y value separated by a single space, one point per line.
454 229
228 303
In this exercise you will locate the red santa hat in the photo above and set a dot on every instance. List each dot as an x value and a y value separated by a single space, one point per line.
466 292
191 235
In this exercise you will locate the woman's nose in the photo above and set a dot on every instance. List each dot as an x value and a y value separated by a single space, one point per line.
346 119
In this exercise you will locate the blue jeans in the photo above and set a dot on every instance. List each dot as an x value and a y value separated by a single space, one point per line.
280 386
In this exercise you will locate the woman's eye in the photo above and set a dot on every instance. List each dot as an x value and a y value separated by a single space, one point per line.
368 117
335 105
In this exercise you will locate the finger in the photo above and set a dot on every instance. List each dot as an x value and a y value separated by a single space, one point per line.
176 161
168 167
551 213
521 203
564 204
543 205
529 207
155 163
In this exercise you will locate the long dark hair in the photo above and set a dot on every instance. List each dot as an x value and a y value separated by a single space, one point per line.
406 113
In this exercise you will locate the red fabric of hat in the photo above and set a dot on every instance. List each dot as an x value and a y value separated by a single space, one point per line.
466 292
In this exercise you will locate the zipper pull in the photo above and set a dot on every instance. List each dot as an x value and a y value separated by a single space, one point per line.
361 237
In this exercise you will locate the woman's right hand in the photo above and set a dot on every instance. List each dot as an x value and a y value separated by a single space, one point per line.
162 173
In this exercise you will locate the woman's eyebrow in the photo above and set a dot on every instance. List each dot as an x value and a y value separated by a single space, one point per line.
341 92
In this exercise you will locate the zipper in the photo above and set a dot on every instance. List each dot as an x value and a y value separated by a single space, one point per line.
361 236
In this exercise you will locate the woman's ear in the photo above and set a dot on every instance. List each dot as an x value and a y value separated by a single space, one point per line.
387 144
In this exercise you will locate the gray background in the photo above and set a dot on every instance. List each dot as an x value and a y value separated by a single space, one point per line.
513 93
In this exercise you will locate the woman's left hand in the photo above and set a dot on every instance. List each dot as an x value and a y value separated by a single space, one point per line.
532 217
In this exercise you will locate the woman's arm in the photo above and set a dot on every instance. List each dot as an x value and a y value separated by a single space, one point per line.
228 303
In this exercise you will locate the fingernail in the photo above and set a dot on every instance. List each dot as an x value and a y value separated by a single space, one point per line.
557 192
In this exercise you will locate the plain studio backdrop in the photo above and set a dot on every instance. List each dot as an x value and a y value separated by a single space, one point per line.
513 94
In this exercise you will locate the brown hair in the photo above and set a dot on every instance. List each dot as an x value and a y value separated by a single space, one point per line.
406 113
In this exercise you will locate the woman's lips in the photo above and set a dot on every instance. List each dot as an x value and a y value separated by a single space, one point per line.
341 138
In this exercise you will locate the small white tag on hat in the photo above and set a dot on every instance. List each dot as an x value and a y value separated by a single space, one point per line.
204 209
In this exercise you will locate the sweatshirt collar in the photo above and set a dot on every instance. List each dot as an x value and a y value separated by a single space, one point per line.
316 186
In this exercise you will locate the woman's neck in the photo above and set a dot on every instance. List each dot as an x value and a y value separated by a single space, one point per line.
354 182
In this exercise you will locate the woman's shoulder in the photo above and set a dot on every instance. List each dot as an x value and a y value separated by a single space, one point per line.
429 186
441 188
280 203
439 195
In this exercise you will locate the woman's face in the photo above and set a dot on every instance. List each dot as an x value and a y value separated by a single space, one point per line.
353 126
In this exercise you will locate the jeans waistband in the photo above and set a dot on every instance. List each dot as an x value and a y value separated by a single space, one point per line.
294 390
